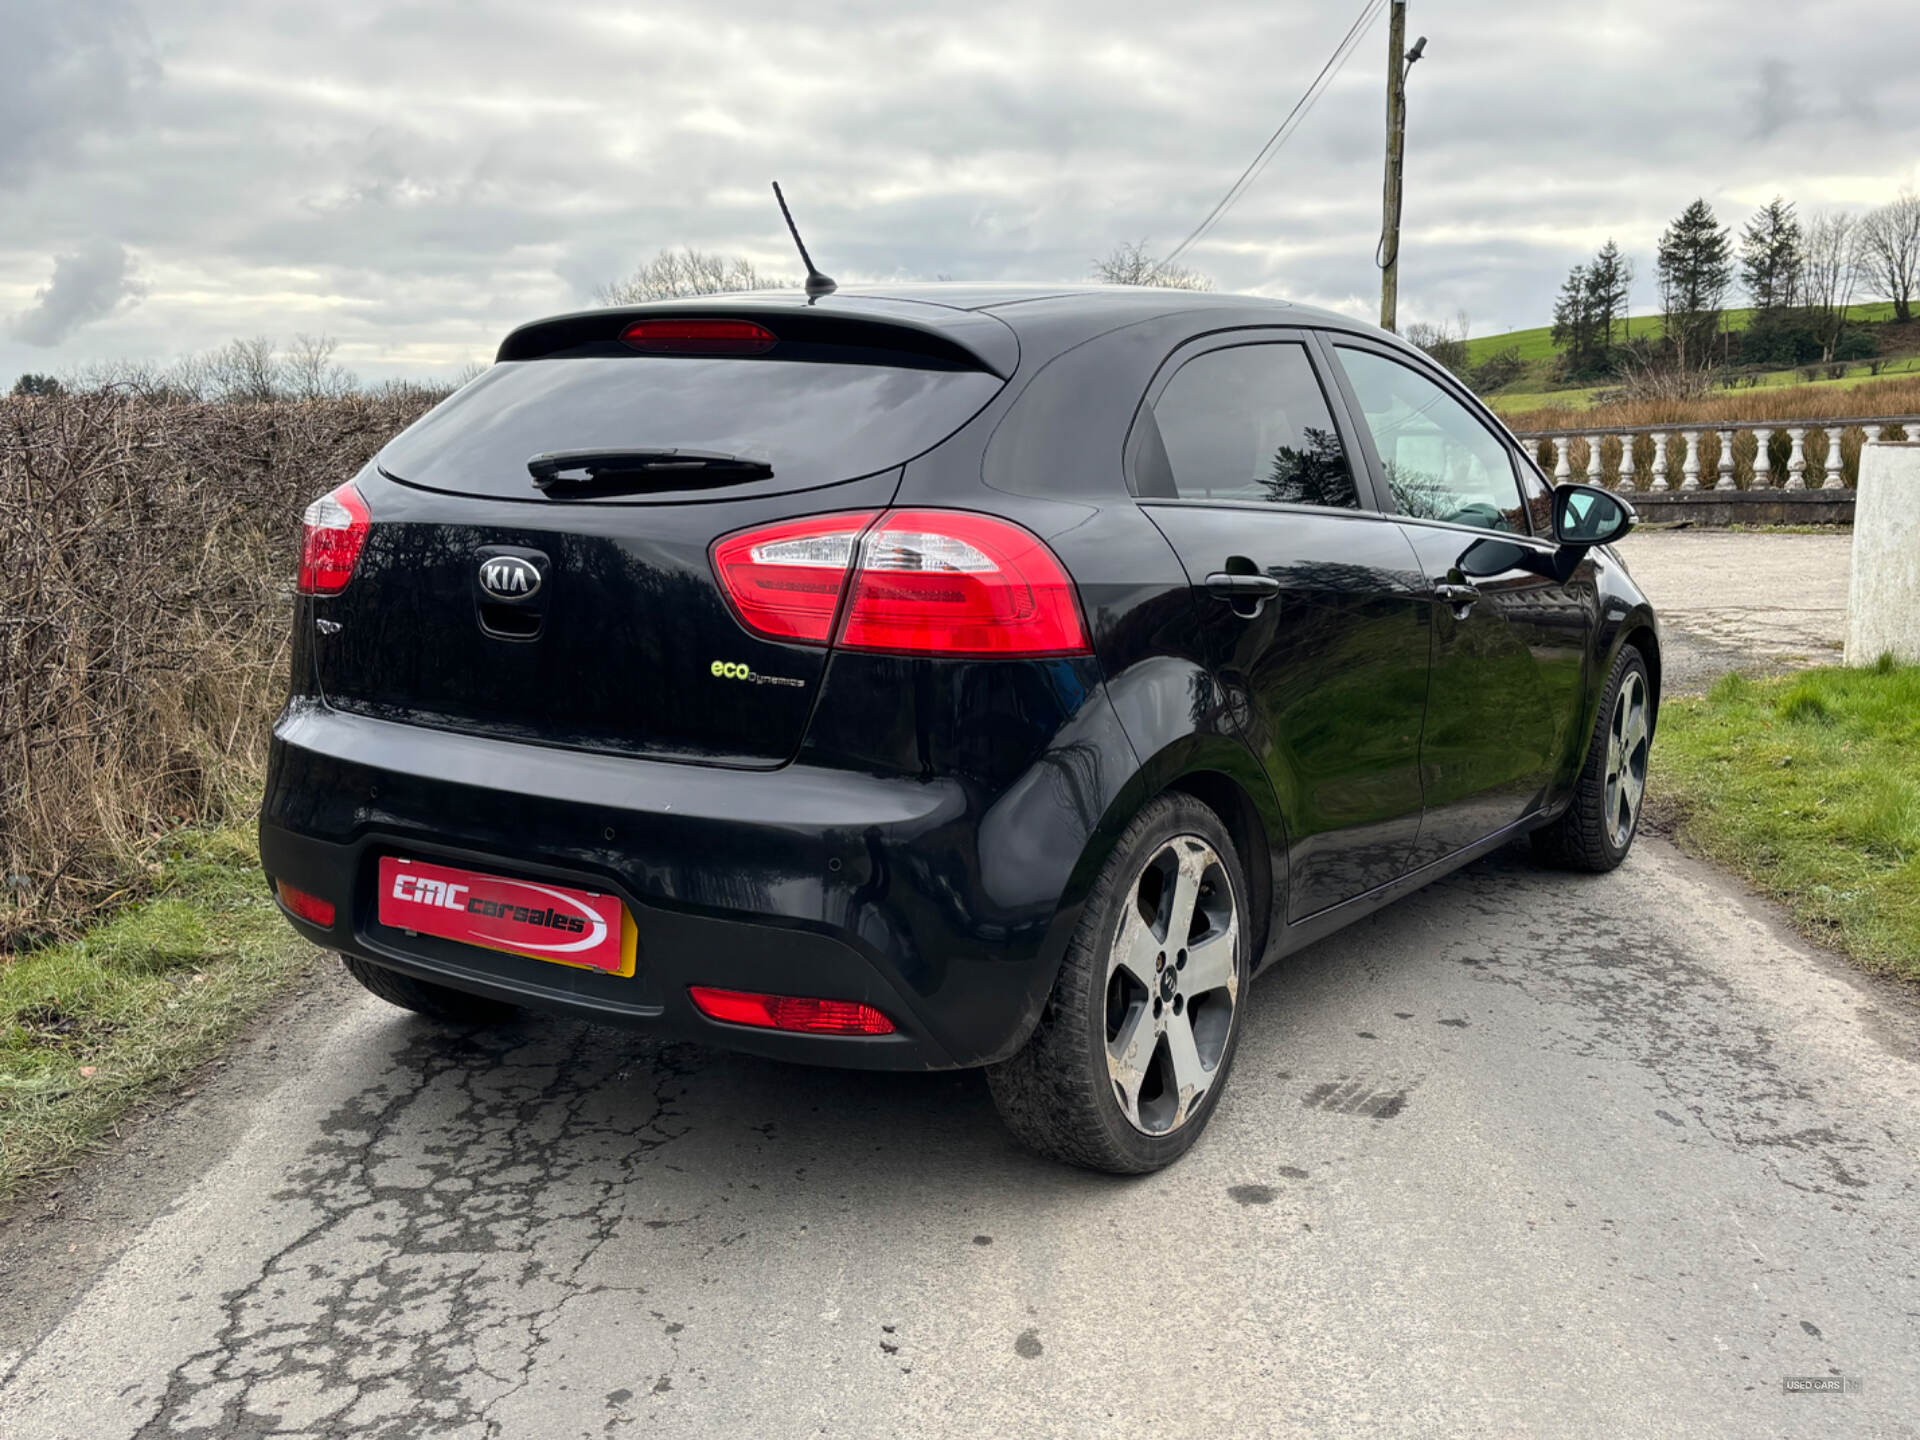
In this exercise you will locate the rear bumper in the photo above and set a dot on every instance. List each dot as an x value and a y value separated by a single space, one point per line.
946 907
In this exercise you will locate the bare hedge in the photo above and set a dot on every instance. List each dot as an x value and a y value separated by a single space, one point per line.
147 555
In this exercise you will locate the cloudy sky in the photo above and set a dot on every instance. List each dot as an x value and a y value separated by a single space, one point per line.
414 178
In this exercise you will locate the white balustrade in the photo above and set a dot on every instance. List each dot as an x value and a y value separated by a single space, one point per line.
1681 467
1691 470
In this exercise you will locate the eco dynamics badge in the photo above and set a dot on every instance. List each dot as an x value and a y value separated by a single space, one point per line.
521 917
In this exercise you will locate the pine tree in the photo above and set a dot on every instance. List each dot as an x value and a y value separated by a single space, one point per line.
1574 330
1772 256
1695 267
1609 288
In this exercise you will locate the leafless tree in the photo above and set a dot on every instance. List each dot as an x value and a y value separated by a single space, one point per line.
245 370
1650 372
689 272
310 372
1129 264
1445 343
1832 271
1890 252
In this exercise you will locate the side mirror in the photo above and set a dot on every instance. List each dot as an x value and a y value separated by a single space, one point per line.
1586 515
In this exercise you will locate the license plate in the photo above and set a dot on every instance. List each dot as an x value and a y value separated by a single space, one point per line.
520 917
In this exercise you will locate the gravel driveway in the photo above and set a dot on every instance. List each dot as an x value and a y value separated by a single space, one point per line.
1731 601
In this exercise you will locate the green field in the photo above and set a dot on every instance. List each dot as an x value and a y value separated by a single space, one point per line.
1517 402
1538 344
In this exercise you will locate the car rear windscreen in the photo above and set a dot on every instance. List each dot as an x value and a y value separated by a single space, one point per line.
813 421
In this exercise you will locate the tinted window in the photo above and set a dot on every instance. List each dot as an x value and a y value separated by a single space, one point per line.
1539 497
813 422
1250 423
1441 462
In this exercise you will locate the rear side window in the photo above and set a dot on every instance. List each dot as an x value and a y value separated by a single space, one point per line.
1441 463
813 421
1247 423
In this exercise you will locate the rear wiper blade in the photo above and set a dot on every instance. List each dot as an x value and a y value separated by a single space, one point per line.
613 471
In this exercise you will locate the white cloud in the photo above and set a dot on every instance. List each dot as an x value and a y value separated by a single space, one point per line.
418 179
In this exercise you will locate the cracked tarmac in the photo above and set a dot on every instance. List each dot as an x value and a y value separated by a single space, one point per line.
1523 1154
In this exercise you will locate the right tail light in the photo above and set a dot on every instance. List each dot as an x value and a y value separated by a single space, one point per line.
916 582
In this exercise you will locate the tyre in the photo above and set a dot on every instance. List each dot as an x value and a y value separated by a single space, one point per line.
1597 830
1133 1049
436 1002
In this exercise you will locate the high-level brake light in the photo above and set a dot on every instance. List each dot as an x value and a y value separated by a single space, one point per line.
924 582
699 337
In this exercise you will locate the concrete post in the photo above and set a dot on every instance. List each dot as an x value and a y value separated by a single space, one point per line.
1625 487
1691 467
1726 461
1883 608
1660 480
1595 475
1762 462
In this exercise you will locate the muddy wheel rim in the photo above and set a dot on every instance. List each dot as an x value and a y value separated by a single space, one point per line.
1173 985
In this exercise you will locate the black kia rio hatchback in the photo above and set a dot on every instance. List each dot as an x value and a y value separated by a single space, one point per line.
938 677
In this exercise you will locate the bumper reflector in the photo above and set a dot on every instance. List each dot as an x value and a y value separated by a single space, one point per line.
789 1012
310 908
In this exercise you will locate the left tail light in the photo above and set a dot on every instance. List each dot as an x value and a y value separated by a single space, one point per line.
333 532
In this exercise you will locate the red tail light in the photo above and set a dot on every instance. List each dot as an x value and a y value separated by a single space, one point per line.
699 337
789 1012
928 582
310 908
941 582
335 528
785 581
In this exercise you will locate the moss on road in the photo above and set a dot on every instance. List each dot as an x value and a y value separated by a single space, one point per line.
1809 786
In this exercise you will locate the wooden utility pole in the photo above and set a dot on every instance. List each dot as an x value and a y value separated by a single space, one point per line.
1399 61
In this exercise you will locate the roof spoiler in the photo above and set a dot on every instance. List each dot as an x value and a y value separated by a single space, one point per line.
875 333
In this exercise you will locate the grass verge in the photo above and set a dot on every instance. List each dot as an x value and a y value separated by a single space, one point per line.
92 1027
1809 785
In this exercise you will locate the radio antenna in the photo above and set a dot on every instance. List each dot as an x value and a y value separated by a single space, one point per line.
817 284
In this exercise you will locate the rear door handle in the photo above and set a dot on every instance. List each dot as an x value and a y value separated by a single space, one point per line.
1242 587
1247 594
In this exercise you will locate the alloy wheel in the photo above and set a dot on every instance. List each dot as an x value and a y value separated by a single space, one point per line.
1628 735
1173 985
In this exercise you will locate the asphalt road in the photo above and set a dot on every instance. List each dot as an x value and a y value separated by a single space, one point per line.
1523 1154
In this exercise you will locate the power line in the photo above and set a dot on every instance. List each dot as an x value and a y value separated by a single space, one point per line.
1369 12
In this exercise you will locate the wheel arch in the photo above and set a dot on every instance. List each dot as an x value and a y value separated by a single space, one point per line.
1222 773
